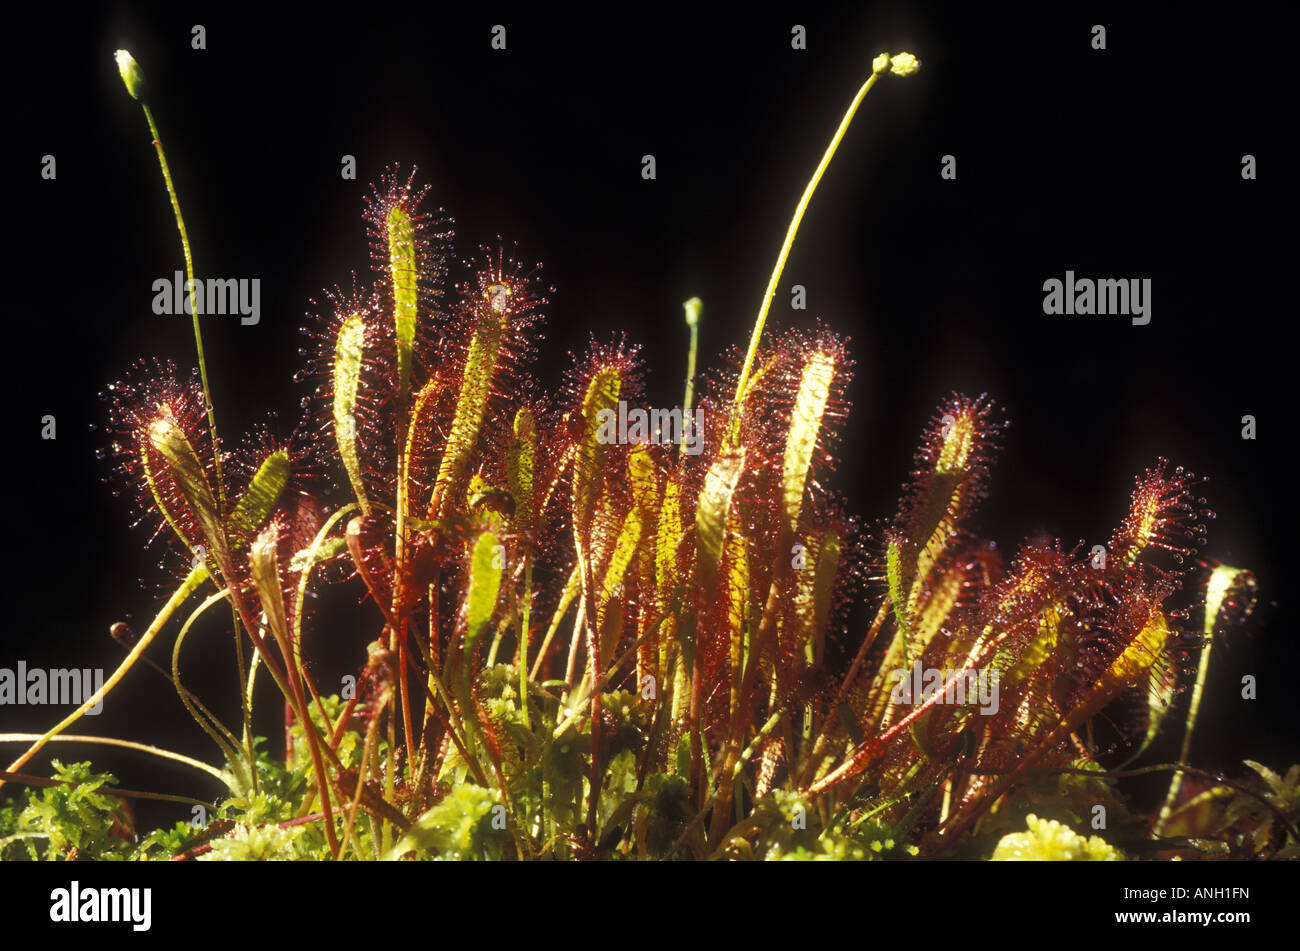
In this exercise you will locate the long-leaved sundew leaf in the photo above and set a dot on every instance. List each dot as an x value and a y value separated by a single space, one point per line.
349 351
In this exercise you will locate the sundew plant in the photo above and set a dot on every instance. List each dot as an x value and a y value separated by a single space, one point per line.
598 630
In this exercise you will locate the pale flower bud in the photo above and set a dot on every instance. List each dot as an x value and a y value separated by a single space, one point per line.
132 75
904 64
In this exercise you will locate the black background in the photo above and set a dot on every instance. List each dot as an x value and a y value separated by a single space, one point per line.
1117 163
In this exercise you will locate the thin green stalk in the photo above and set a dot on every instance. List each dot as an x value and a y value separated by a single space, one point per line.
1220 583
45 783
693 308
567 597
246 712
741 762
111 741
228 745
1175 785
194 311
179 596
904 64
312 552
212 718
135 83
523 639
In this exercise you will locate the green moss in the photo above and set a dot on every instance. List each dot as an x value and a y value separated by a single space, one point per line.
1049 841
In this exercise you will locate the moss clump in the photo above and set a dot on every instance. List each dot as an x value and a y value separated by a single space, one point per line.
1049 841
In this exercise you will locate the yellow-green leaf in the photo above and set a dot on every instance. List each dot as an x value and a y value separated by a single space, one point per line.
403 269
486 565
265 563
669 537
471 404
170 440
520 460
602 395
805 423
711 514
263 493
349 351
